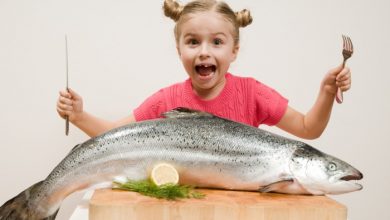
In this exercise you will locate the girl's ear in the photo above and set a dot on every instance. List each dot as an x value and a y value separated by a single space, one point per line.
235 52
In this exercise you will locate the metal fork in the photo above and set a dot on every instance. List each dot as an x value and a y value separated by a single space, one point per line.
347 53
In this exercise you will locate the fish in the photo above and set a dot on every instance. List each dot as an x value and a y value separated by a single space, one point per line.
207 151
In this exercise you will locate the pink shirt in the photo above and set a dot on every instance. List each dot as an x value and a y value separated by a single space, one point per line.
243 99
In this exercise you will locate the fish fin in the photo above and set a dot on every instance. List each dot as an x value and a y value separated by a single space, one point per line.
75 147
276 186
182 112
19 207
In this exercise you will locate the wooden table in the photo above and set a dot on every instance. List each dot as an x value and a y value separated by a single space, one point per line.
217 205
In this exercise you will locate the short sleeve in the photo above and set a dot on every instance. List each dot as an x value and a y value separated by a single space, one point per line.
270 105
151 108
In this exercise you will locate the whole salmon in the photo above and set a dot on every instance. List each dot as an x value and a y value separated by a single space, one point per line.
207 151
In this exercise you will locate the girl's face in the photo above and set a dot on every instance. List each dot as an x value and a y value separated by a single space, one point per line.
206 48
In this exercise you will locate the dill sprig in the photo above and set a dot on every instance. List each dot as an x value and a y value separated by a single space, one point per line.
166 191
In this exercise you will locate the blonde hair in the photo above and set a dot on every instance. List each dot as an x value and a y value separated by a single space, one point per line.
178 13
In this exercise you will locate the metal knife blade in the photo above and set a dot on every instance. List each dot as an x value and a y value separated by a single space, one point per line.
67 82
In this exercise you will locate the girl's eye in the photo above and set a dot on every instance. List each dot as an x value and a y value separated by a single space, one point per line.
217 41
192 42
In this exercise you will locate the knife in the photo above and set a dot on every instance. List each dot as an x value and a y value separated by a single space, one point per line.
67 83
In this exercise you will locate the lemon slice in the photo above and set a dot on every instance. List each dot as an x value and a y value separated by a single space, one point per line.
164 173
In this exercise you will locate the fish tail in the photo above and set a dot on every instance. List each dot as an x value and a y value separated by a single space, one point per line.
20 208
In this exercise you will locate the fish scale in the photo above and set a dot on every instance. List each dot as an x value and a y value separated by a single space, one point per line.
207 151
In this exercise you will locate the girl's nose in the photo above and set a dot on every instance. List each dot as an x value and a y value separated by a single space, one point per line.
204 51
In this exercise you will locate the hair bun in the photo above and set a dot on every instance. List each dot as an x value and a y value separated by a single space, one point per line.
243 18
172 9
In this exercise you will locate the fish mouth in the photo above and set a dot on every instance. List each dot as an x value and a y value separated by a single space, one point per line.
353 178
205 70
357 176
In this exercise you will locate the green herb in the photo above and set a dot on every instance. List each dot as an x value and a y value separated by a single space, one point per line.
166 191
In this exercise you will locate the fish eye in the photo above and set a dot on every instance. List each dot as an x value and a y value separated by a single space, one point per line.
332 166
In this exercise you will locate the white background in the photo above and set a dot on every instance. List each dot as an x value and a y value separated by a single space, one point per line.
120 52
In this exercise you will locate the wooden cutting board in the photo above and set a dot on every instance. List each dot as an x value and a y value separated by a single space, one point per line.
217 205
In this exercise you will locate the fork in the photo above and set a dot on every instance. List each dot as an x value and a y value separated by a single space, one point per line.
347 53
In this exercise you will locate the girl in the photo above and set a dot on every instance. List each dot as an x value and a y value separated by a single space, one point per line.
207 41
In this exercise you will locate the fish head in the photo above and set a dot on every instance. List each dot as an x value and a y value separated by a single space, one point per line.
320 173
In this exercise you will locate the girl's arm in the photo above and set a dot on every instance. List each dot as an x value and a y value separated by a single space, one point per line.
311 125
71 104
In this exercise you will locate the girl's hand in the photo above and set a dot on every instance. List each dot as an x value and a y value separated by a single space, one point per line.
338 77
70 104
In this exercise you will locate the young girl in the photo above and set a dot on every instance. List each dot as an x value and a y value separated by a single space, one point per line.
207 41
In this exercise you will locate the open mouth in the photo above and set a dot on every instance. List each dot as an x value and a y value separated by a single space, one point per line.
355 176
353 179
205 70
